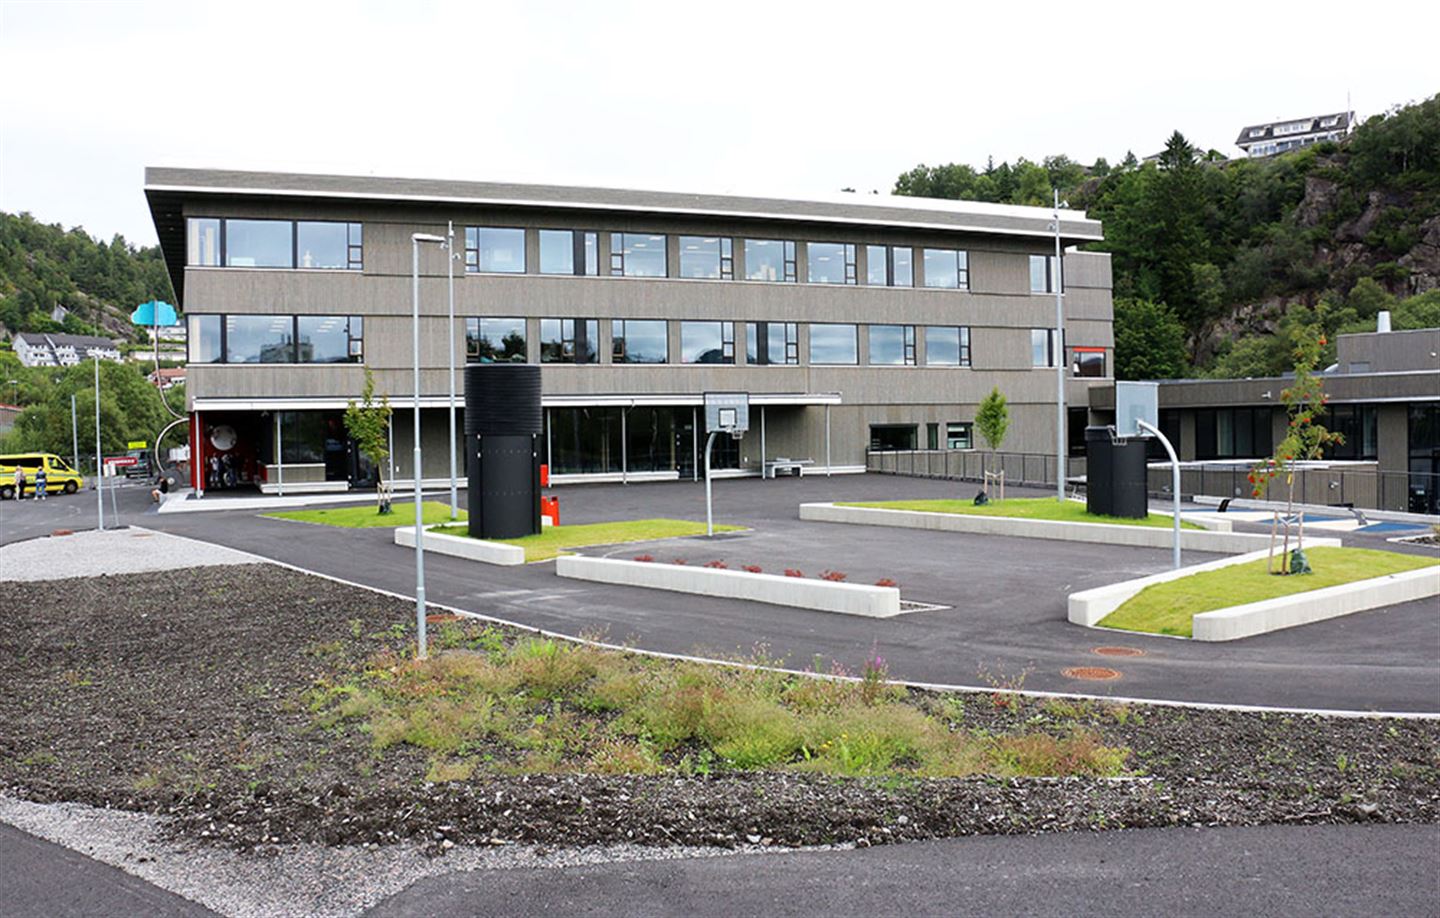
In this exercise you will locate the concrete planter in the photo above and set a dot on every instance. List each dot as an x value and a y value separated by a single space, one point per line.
822 595
1316 605
463 547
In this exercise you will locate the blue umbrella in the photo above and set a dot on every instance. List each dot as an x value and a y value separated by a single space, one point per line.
154 313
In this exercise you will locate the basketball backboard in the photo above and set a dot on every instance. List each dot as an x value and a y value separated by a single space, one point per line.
1136 401
727 411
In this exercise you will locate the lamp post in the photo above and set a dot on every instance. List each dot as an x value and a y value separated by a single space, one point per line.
1060 362
415 240
450 359
99 467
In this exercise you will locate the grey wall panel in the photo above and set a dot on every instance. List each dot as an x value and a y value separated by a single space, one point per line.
1087 269
995 272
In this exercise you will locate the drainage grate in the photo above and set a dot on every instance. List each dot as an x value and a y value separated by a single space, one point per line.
1119 651
1098 673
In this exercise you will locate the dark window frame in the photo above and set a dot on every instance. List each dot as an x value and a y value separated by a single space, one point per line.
570 352
354 244
620 348
907 345
472 248
850 274
727 341
763 357
474 325
962 268
617 256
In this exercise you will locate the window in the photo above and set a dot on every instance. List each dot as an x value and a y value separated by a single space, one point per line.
490 340
707 342
892 437
202 241
889 266
637 255
1330 122
1232 433
834 344
328 245
1042 347
947 268
1042 273
330 339
1087 361
568 340
830 262
959 435
640 341
947 346
707 257
892 345
259 339
769 260
569 252
204 339
772 343
932 436
259 244
1257 132
1358 424
494 250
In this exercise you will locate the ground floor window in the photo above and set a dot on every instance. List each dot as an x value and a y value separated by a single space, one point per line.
959 435
885 437
1232 433
611 441
932 436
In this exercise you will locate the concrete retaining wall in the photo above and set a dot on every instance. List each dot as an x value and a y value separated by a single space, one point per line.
1316 605
822 595
463 547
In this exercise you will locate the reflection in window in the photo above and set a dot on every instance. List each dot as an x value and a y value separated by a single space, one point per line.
947 346
889 266
892 345
959 435
1042 347
637 255
640 341
568 340
490 340
1087 361
707 257
494 250
834 344
202 241
772 343
328 245
203 339
707 342
947 268
259 339
569 252
769 260
259 244
830 262
1042 273
330 339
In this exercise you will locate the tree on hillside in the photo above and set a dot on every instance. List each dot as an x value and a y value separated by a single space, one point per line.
130 407
1149 341
1176 203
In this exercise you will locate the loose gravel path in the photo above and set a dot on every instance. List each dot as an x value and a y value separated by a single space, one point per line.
94 553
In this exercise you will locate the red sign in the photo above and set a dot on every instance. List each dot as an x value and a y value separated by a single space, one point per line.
123 460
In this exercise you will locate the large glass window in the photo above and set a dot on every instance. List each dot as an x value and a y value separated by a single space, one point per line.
885 437
707 257
584 440
1042 347
959 435
830 262
892 345
637 255
494 250
1087 361
568 340
1042 273
1232 433
202 241
640 341
328 245
490 340
947 268
772 343
889 266
1358 424
947 346
707 342
569 252
259 243
330 339
259 339
204 339
769 260
834 344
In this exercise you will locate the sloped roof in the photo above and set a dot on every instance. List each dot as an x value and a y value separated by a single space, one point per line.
1267 129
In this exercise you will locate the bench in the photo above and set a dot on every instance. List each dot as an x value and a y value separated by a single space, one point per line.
795 467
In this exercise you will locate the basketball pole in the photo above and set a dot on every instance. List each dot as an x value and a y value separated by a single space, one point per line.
709 503
1174 481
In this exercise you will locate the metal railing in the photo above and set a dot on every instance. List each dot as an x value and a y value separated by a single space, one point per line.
1032 469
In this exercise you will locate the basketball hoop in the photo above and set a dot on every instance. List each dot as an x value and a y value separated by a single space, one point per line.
725 413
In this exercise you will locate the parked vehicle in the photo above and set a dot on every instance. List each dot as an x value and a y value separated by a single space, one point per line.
142 467
59 476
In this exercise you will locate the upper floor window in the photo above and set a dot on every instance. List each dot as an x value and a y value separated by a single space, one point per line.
637 255
569 252
204 339
947 346
276 339
494 250
490 340
707 257
769 260
329 339
640 341
259 243
247 243
889 266
707 342
892 345
1042 347
203 241
568 340
1257 132
947 268
1087 361
830 262
328 245
834 344
772 343
1042 273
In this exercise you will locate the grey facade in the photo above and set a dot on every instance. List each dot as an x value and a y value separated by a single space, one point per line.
826 413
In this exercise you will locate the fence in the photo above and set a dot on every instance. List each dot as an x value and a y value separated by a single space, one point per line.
1034 469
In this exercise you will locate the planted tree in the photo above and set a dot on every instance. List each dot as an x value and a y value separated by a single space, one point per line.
1305 441
368 424
993 420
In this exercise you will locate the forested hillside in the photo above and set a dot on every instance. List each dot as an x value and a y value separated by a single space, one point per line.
1213 257
43 266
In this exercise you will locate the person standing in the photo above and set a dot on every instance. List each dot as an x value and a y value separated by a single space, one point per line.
19 483
40 482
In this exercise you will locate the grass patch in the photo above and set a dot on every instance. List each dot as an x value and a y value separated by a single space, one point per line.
555 539
1024 508
367 517
1169 608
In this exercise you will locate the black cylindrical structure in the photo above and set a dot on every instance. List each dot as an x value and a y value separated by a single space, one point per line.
1099 496
503 423
1115 475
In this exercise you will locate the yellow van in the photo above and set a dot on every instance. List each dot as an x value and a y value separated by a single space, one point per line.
59 476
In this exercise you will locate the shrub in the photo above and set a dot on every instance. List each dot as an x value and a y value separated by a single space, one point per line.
717 565
832 576
622 757
756 569
870 740
645 558
549 668
750 732
1038 754
886 582
792 572
680 561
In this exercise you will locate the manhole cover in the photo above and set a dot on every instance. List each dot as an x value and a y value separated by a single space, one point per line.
1119 651
1099 673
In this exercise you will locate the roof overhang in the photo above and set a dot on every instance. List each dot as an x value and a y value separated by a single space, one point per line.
679 400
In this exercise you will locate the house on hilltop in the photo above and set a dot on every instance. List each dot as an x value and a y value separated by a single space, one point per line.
1282 136
42 349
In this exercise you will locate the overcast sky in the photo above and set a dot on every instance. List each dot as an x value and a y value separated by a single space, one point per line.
778 97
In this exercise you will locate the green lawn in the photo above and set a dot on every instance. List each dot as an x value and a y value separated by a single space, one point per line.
553 540
1167 608
1026 508
366 517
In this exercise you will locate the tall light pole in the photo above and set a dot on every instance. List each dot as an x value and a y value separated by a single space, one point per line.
74 434
1055 281
450 360
99 468
415 240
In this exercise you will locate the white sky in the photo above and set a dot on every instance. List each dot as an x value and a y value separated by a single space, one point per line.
781 96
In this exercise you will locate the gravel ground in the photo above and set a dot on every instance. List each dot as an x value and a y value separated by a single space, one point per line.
184 696
92 553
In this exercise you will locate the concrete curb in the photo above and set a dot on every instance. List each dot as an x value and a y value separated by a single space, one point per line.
1087 607
1316 605
463 547
1218 540
821 595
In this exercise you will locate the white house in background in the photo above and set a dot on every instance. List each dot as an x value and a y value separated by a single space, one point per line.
1282 136
41 349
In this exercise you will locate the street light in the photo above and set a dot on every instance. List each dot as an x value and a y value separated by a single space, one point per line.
1060 361
450 359
415 240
